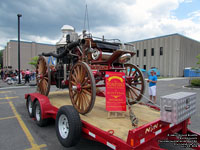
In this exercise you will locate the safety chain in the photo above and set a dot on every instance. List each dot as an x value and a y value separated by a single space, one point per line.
134 120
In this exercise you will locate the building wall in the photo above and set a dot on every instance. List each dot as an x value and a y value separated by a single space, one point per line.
189 50
166 62
27 51
179 52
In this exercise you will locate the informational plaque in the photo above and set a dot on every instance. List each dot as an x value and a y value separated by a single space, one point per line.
115 91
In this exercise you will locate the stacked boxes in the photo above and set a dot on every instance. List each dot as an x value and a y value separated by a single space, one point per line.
177 107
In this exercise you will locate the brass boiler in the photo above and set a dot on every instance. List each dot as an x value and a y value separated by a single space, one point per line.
100 55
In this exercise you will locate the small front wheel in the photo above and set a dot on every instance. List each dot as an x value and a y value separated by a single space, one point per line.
38 115
68 126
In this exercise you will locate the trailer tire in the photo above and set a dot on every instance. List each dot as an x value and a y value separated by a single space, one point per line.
68 126
29 106
38 115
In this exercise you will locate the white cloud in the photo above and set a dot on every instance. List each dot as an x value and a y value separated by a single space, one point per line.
144 19
127 20
188 1
40 39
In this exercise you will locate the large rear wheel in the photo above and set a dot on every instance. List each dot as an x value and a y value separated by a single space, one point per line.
43 76
135 83
82 87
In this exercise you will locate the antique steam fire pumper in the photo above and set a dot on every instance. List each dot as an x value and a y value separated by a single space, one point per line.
81 66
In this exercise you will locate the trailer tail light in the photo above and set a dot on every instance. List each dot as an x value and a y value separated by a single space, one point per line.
132 142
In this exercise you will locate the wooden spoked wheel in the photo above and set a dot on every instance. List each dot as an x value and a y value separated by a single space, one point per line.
82 88
135 83
43 76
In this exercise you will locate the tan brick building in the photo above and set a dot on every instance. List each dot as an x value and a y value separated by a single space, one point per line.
27 51
171 54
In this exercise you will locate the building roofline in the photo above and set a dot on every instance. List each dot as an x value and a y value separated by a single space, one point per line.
33 42
163 37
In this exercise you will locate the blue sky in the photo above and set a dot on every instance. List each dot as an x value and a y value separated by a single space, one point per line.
186 8
127 20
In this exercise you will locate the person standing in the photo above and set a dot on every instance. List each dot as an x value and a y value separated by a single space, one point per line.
152 85
27 76
2 74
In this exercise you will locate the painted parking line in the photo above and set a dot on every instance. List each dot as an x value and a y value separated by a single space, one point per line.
9 97
8 118
14 87
30 138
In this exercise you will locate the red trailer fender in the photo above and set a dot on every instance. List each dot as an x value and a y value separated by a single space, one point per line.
48 111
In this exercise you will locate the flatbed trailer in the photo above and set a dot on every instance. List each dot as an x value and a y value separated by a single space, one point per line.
117 133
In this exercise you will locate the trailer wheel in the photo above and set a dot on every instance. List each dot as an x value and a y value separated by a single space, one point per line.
29 106
68 126
38 115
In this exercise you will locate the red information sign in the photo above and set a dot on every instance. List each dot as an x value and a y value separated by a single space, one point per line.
115 91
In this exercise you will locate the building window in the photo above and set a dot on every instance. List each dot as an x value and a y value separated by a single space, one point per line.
144 67
145 52
152 51
161 50
137 53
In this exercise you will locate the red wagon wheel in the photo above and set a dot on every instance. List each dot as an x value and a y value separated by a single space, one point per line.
43 76
82 87
135 84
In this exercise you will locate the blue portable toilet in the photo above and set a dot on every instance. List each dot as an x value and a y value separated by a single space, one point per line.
187 72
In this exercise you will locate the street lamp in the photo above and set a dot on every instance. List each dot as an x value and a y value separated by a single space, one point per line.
19 15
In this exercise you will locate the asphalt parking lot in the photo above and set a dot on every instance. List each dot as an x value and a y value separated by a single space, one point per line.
18 131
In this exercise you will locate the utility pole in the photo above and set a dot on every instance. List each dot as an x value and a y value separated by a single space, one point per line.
19 79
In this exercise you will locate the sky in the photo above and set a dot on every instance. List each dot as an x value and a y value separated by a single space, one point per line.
127 20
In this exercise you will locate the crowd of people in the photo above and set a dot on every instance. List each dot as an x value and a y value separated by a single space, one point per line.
27 75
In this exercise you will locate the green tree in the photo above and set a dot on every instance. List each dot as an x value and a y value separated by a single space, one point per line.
198 57
33 61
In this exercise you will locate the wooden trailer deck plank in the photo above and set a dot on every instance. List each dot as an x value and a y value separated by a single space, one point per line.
99 116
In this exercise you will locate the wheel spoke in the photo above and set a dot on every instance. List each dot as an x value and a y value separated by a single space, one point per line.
87 86
79 102
133 73
76 99
130 71
87 92
72 82
74 94
85 99
78 74
126 71
132 96
81 105
131 90
74 78
46 78
136 88
82 76
85 80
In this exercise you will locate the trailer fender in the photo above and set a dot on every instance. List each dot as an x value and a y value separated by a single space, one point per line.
47 110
